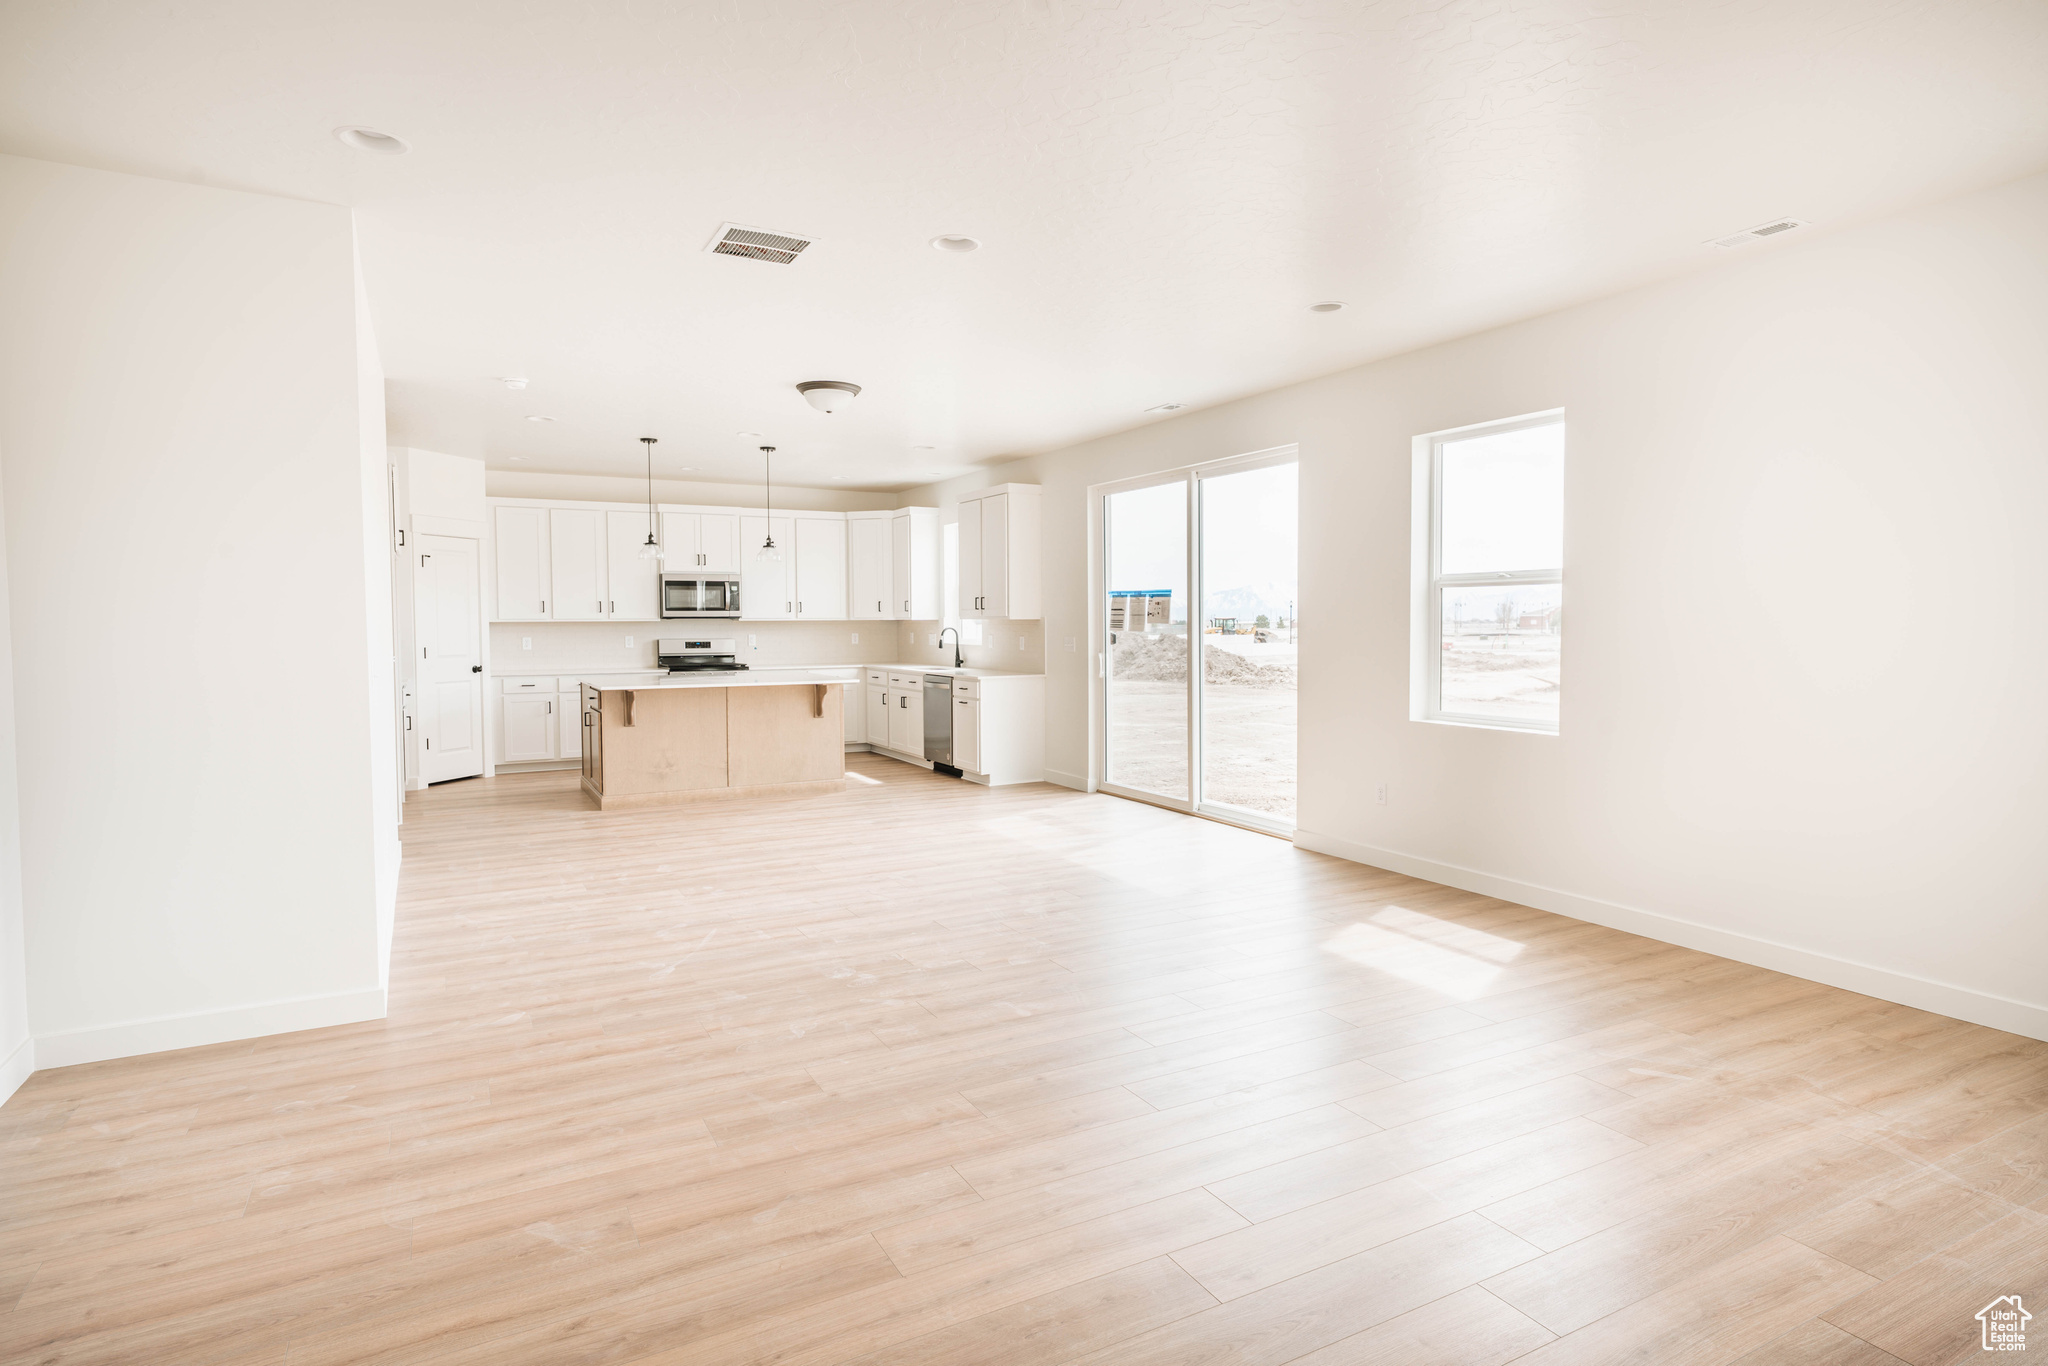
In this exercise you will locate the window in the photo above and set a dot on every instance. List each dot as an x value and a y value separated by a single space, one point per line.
1492 610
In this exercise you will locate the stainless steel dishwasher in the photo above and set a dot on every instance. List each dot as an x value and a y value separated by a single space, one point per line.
938 718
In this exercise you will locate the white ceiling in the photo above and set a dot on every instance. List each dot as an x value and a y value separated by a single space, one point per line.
1162 186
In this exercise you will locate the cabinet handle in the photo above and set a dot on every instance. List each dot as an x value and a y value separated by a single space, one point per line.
543 604
551 708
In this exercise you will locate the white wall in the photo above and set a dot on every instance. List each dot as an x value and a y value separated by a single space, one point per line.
17 1048
1857 418
184 459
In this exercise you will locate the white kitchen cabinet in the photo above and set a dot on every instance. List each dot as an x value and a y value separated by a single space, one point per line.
718 541
700 540
853 699
999 728
519 543
914 564
568 722
999 553
966 733
767 587
576 564
633 591
906 717
970 558
870 576
878 713
820 585
529 728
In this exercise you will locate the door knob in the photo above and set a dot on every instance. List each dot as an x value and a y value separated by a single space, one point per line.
476 668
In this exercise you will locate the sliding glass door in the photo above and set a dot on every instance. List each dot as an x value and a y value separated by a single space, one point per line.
1200 563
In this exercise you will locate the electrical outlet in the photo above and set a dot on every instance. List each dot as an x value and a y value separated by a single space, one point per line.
856 637
629 642
934 639
1383 794
1020 642
526 642
753 642
1070 645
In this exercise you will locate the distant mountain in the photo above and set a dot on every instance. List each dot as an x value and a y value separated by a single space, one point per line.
1248 601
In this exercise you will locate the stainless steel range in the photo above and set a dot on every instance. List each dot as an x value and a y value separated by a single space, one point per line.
680 656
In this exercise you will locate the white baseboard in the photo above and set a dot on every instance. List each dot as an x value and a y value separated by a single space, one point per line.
1073 780
133 1037
13 1072
1943 998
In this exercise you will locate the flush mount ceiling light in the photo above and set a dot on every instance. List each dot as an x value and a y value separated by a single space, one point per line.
536 417
370 140
1327 306
1166 407
828 395
955 242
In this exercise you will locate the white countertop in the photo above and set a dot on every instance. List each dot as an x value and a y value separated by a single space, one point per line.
759 676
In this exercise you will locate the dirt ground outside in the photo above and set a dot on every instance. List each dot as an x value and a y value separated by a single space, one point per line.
1248 740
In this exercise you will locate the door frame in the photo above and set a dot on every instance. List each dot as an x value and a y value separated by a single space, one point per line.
486 716
1098 634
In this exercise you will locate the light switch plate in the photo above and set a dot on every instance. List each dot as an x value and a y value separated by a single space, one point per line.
629 642
526 642
856 637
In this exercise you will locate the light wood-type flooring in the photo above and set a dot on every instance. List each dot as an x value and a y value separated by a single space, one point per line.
931 1075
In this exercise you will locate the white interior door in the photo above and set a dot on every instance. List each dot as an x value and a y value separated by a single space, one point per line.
450 695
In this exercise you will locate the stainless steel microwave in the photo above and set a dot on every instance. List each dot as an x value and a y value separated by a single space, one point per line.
700 595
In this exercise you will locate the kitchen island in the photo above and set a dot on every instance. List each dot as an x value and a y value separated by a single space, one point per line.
683 739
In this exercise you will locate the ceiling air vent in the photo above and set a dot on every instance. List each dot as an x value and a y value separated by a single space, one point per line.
1758 233
757 244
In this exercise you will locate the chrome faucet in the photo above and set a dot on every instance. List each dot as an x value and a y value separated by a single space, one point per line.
958 662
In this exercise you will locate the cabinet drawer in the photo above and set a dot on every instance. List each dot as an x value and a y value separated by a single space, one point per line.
906 680
533 685
966 687
879 677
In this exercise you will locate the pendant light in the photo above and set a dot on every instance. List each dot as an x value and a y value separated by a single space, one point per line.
651 548
769 551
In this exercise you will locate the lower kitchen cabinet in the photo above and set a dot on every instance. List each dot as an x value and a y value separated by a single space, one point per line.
529 728
999 728
568 719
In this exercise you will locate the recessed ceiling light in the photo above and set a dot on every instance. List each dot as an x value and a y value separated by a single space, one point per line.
1327 306
954 242
370 140
1166 407
536 417
924 448
748 436
518 459
513 382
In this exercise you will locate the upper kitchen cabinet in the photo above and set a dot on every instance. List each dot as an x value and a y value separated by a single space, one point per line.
820 568
914 564
633 591
519 539
576 560
700 540
869 559
999 553
767 587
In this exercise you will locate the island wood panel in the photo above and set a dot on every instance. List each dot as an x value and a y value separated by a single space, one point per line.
780 735
663 1087
677 742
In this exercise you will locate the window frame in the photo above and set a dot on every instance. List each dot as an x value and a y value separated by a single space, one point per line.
1430 582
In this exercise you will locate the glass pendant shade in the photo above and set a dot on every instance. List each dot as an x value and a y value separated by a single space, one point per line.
649 550
769 553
